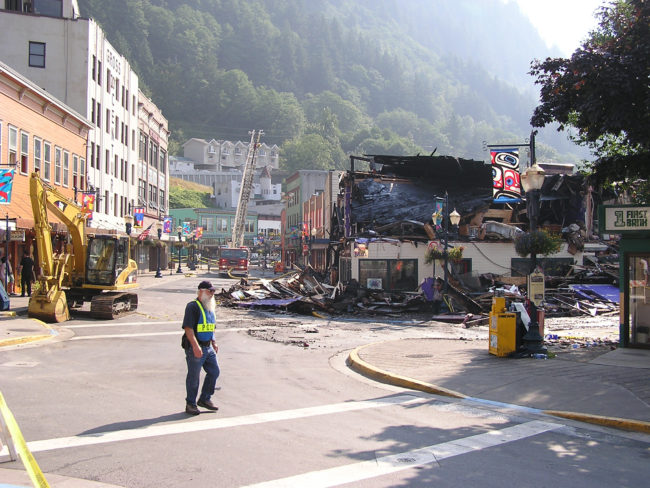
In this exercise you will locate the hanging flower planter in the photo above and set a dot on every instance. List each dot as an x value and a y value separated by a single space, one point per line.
537 242
435 252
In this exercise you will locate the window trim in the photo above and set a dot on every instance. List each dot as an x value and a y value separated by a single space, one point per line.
24 153
37 142
47 163
58 162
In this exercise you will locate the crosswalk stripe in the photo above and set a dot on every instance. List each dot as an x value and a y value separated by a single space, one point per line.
196 426
418 457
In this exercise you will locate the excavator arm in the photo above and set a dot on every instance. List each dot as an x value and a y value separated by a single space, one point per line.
64 279
43 198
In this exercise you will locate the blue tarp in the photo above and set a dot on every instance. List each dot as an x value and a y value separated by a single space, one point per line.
604 292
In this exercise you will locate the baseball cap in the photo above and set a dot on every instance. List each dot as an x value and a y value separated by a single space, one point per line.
206 285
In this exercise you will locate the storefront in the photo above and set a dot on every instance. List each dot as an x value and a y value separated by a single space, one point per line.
631 222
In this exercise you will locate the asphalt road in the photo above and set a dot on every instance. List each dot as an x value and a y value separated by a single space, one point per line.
107 405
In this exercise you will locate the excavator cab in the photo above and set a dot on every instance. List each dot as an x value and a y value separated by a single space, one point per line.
101 260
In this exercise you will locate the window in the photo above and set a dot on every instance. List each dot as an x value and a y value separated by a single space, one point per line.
388 274
94 70
13 145
99 115
47 160
108 121
75 171
107 162
66 168
36 54
92 111
162 199
115 166
99 75
142 190
49 8
222 224
57 165
38 144
24 152
249 226
163 160
98 162
82 174
92 154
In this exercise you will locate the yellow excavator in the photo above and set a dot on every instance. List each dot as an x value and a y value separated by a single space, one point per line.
92 268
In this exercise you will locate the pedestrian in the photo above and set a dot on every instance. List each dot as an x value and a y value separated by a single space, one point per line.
437 296
26 270
6 275
200 349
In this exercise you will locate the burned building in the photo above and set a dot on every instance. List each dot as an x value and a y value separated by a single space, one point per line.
383 224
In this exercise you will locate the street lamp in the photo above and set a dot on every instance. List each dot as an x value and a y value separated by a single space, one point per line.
531 181
159 229
179 229
312 237
128 222
454 219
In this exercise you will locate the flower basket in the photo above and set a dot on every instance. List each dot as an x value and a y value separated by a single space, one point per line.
433 253
537 242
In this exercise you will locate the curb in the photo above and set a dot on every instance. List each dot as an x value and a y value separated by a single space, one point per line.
366 369
615 422
32 338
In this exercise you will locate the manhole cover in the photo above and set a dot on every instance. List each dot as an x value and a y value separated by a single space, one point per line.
419 356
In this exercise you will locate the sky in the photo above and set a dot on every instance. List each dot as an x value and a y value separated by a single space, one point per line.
562 23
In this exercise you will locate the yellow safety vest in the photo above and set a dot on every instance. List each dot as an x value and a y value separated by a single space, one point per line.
205 326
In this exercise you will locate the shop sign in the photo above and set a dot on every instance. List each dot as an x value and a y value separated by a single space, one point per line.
620 219
17 235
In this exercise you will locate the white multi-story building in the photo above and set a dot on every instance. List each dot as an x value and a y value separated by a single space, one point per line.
225 155
67 55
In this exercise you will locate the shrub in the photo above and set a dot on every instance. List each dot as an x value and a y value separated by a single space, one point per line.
538 242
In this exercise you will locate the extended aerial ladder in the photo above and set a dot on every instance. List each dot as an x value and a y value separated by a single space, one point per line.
95 269
237 239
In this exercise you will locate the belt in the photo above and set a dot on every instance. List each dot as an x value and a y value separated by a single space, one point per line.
204 343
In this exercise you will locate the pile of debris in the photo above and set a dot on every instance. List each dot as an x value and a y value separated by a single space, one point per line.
303 292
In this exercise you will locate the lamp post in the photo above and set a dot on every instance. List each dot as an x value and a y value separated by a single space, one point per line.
179 229
159 229
312 237
531 181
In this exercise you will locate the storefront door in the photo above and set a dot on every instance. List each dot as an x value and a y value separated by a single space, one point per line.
638 299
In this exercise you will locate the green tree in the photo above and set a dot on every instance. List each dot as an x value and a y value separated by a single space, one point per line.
310 151
603 91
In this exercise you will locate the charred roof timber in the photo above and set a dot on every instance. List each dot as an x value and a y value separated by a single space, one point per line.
396 196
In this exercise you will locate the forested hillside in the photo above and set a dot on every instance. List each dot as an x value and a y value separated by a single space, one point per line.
326 78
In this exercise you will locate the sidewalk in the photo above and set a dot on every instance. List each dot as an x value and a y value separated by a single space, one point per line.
612 389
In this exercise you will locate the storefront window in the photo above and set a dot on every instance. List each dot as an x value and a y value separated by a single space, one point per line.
639 299
388 274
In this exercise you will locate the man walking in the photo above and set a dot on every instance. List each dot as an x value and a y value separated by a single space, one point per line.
26 268
200 349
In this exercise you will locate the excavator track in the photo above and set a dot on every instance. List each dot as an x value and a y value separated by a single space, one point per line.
113 305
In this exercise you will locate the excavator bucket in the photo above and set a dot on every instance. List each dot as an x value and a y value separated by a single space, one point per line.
49 309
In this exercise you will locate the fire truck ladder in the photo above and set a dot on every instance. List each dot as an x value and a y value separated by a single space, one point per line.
245 192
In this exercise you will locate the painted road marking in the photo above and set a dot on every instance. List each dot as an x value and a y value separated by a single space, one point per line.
151 334
118 324
184 427
405 460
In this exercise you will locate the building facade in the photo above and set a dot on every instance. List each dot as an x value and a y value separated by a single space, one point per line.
38 133
70 57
